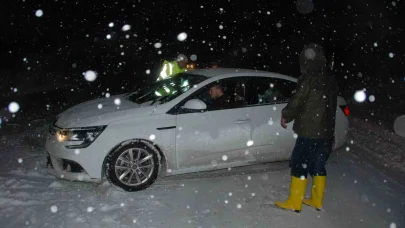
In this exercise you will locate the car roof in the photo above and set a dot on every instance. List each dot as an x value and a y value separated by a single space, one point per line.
214 72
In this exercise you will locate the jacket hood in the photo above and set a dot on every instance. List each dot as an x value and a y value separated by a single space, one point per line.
312 60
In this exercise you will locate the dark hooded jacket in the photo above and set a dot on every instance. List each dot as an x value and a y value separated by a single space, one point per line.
313 105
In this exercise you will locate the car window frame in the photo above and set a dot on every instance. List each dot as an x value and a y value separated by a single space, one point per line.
177 110
127 96
273 102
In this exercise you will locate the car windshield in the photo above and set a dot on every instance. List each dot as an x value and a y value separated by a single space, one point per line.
166 90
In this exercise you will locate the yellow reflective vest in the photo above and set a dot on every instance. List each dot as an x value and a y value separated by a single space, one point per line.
169 69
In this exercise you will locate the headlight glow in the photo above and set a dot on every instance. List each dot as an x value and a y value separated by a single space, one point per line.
63 135
85 135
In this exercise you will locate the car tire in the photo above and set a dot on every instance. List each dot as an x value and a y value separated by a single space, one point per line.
136 174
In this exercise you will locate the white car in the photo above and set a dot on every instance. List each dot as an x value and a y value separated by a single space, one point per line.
170 128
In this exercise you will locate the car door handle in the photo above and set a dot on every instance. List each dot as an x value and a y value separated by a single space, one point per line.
241 121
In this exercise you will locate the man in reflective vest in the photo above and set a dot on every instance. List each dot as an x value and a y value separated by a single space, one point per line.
174 67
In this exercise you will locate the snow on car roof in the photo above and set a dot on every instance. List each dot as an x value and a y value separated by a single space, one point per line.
213 72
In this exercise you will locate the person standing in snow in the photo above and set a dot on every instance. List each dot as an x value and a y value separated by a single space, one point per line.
313 110
173 67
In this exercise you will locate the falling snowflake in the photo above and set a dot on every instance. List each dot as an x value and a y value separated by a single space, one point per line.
99 106
90 75
239 206
270 122
391 55
302 177
77 151
157 45
111 25
360 96
108 36
134 221
393 225
122 204
389 210
152 196
305 6
375 44
39 13
13 107
221 26
20 160
347 148
278 25
230 194
304 166
274 108
126 28
295 136
107 95
224 158
182 36
15 90
152 137
54 209
226 201
249 143
90 209
117 101
371 98
193 57
249 177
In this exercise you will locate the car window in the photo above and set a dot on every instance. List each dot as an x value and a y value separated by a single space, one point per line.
234 94
166 90
268 90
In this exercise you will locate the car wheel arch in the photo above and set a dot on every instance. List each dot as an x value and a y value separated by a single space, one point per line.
148 143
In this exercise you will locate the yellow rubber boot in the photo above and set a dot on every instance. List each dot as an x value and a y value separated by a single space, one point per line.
297 192
317 191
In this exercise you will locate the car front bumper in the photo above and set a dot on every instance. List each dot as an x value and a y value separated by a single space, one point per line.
71 164
62 169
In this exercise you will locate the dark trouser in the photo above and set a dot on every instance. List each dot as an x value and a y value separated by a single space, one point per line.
309 156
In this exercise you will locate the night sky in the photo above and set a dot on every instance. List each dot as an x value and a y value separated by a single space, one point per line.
71 38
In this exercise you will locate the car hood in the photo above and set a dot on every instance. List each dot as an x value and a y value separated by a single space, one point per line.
101 112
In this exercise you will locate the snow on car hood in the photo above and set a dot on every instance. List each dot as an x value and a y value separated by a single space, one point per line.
101 112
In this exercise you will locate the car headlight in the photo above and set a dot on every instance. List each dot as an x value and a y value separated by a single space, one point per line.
85 135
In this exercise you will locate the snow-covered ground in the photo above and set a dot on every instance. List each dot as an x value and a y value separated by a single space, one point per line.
357 195
380 144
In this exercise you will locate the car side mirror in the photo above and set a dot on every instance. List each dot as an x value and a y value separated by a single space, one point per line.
195 104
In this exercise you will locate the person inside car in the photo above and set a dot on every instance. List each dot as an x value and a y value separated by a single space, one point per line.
218 98
270 95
